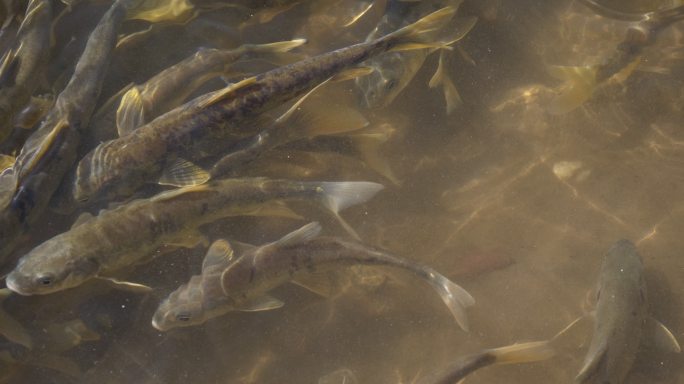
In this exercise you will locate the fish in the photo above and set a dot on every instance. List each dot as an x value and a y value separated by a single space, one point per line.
231 282
50 152
512 354
393 71
621 319
117 168
581 82
98 246
169 88
23 66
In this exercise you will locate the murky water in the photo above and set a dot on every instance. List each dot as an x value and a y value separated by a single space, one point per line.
513 203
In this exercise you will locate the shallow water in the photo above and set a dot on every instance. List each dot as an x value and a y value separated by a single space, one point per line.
516 205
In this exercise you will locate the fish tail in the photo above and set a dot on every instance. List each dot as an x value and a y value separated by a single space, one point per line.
340 195
454 296
522 352
421 34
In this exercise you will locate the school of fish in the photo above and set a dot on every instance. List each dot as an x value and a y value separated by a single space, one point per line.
110 168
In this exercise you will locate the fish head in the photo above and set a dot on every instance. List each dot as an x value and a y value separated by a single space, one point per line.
49 268
392 73
183 308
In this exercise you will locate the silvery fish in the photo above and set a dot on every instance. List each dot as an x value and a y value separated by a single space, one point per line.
242 282
511 354
126 235
621 319
119 167
23 65
581 82
26 188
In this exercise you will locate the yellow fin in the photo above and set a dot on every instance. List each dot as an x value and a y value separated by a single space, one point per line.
183 173
134 37
162 10
322 283
413 46
280 46
272 209
189 239
8 185
295 107
125 285
223 93
451 95
327 119
415 32
369 143
578 88
131 112
168 195
6 161
523 352
357 11
352 73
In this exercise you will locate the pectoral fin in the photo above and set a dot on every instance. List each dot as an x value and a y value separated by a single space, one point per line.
305 233
451 95
183 173
320 283
657 335
262 303
220 253
592 362
131 112
125 285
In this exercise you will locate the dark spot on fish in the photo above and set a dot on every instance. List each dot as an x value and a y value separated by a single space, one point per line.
23 202
205 208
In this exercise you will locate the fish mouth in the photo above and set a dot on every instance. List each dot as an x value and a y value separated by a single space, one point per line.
12 282
157 324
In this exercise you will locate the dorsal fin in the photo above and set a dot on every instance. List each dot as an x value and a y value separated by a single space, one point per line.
220 253
223 93
302 234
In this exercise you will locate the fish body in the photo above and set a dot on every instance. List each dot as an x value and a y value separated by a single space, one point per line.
117 167
172 86
49 153
23 65
393 71
621 318
247 279
581 82
128 234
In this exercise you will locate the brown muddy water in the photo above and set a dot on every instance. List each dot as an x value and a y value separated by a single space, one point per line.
514 203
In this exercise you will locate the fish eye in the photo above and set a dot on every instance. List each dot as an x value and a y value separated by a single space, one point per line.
184 317
45 280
